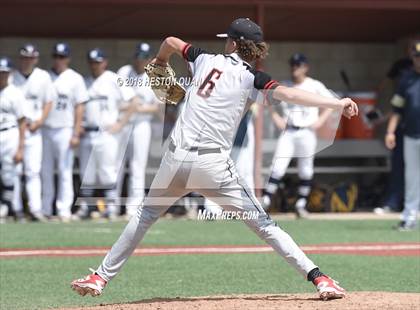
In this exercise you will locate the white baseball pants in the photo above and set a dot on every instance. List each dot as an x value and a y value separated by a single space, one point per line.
99 164
32 159
295 143
140 144
214 176
9 142
98 158
57 154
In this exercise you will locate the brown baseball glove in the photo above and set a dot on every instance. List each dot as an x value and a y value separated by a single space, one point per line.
164 84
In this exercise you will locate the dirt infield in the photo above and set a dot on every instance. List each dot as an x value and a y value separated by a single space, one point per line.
354 301
375 249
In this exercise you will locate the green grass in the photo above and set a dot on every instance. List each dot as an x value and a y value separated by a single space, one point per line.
186 232
38 283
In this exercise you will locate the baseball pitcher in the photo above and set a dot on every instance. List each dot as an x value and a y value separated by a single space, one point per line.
198 157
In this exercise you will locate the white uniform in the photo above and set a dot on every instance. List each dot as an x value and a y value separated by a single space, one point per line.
99 149
298 140
140 133
57 132
198 158
12 102
38 90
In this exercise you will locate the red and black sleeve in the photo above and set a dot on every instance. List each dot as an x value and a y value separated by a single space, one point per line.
190 53
263 81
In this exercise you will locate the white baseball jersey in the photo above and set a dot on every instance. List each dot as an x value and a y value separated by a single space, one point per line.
11 106
303 116
141 88
37 89
105 97
71 91
215 102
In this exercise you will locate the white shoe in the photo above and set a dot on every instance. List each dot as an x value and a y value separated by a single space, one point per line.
382 210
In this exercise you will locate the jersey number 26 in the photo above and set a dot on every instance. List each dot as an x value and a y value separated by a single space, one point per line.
207 86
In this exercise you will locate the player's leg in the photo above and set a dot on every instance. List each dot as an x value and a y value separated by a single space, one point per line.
281 160
305 149
17 194
125 151
141 143
106 151
168 185
65 161
233 195
412 183
9 145
32 169
47 172
87 167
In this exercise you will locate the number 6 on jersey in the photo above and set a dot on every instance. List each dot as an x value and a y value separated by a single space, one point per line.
207 86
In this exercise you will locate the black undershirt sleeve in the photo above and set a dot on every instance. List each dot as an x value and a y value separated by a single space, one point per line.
190 53
264 82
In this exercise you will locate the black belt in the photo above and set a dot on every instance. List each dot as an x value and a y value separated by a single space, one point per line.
172 148
293 127
91 128
7 128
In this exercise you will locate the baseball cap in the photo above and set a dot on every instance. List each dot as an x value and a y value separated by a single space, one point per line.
61 49
96 55
143 51
5 64
29 50
243 29
416 48
297 59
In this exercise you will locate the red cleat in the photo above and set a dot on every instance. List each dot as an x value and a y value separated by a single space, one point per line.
328 288
92 284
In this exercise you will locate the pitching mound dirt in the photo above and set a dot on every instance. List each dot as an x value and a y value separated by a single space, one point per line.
354 300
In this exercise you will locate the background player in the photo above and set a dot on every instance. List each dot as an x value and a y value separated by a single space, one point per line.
198 154
39 92
406 103
61 133
140 131
298 138
12 135
103 120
